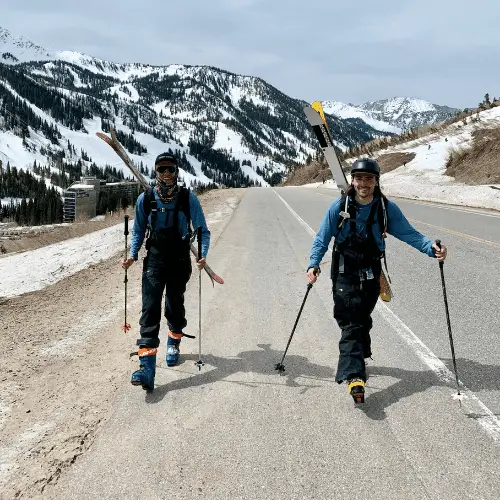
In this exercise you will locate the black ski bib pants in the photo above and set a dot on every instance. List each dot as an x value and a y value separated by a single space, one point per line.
167 267
355 273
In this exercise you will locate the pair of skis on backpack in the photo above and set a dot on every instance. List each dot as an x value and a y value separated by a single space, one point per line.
316 117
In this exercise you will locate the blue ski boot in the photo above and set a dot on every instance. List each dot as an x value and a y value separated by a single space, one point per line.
145 375
174 339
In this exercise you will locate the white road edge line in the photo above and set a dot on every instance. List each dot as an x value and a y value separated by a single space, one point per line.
484 416
453 208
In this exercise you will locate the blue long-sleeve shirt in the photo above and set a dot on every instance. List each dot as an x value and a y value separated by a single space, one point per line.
141 222
398 226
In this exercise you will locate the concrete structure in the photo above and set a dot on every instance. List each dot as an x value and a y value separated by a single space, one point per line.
81 198
127 189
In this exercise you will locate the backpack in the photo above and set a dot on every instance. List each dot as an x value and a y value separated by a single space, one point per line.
151 207
348 212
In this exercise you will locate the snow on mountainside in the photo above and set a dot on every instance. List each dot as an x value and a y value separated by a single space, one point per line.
229 129
392 115
347 111
122 72
13 50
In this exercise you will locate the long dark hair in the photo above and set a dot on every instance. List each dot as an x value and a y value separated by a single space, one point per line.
377 192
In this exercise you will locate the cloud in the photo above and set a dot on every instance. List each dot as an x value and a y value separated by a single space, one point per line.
441 51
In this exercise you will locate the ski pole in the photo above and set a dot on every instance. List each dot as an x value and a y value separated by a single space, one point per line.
441 266
199 363
126 326
279 366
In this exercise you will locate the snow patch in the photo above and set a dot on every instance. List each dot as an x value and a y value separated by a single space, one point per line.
345 111
424 177
36 269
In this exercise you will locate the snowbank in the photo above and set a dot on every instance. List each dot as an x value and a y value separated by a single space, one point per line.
431 186
36 269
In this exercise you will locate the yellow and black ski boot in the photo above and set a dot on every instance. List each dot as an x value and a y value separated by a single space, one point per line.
356 388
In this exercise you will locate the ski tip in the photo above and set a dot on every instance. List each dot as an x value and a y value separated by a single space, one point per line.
218 279
104 137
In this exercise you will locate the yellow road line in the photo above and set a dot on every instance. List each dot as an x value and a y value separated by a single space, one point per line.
450 231
457 233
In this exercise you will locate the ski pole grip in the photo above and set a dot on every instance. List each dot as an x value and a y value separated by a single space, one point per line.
441 263
199 242
125 232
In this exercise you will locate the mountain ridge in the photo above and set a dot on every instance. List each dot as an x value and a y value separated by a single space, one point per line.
231 129
394 115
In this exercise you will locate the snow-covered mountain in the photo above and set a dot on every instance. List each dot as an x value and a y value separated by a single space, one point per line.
14 50
229 129
392 115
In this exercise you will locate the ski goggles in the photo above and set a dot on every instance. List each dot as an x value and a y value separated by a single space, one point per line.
169 167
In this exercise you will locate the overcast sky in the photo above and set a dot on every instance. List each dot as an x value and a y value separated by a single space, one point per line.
444 51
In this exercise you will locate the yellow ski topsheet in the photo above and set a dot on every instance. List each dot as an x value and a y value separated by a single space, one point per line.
316 105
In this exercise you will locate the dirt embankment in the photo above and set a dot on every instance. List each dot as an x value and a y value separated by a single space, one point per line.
314 172
318 172
64 358
480 163
392 161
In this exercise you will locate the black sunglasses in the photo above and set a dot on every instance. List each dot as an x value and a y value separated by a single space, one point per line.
169 168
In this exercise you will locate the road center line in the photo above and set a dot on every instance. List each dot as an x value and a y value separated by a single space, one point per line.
449 231
484 416
456 233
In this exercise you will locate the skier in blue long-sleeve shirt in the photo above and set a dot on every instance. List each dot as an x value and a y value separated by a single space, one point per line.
167 210
359 222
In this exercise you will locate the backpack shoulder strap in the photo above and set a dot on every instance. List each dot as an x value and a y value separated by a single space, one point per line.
150 206
382 216
383 220
184 205
347 212
147 201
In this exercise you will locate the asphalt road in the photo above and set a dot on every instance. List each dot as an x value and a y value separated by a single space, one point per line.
237 430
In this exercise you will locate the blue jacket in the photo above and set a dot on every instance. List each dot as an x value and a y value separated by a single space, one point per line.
398 226
141 222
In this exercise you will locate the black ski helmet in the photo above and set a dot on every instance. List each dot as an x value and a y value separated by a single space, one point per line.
366 165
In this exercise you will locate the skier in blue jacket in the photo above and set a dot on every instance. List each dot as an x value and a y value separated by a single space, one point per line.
358 221
167 210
